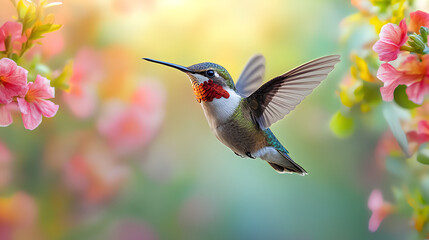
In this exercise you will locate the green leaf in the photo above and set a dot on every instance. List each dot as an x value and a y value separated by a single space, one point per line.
401 98
39 30
22 9
30 17
55 27
423 156
341 125
392 118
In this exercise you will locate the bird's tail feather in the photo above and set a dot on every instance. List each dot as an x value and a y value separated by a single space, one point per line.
287 165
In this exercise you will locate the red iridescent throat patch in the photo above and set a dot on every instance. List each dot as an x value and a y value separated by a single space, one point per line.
209 90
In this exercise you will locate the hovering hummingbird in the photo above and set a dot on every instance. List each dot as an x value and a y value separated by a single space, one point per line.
240 115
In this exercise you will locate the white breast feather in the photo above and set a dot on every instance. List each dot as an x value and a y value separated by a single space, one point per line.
220 110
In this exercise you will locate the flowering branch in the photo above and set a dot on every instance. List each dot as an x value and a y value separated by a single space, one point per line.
17 92
397 66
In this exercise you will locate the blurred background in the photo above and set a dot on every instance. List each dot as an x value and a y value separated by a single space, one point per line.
130 155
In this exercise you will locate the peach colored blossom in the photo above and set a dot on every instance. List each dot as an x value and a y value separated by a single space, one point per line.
417 20
412 72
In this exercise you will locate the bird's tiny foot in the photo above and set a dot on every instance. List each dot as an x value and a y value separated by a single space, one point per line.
250 155
238 155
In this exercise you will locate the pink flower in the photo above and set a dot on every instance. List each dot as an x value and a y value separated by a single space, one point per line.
13 31
13 81
34 104
18 216
130 229
81 98
94 173
5 165
392 37
5 154
418 19
412 72
130 127
380 209
422 135
5 115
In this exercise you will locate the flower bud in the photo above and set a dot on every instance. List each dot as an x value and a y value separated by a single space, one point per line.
417 43
424 31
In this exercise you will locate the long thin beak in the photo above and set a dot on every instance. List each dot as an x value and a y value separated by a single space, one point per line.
181 68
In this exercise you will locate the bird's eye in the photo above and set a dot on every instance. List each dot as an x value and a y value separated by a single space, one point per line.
210 73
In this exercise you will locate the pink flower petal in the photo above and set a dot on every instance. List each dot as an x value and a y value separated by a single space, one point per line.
41 88
389 75
414 136
392 37
417 20
13 30
24 106
5 116
375 200
423 126
48 108
417 72
18 81
13 80
374 222
7 66
416 91
422 136
33 118
379 208
34 104
386 51
5 97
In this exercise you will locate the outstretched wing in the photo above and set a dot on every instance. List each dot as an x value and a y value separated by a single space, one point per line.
252 76
276 98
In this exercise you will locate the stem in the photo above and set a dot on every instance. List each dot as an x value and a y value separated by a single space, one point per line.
25 47
8 45
407 48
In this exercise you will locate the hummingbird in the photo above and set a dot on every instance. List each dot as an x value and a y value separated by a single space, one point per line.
240 114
